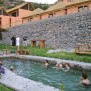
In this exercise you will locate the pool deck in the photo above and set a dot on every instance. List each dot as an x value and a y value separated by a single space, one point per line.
18 83
12 80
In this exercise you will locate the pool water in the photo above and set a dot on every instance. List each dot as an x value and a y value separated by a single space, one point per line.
50 76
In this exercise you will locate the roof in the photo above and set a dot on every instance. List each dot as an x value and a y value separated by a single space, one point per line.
18 7
62 5
77 2
35 12
56 6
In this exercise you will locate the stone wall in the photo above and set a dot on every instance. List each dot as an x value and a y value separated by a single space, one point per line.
60 32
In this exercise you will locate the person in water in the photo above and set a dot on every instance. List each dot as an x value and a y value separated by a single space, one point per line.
59 66
67 66
46 64
84 80
11 68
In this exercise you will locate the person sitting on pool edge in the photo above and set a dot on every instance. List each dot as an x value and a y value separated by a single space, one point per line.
46 64
2 70
84 80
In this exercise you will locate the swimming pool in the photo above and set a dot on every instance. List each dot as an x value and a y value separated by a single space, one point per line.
50 76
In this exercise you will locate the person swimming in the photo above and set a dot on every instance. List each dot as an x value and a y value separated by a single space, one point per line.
46 64
11 68
84 80
67 67
59 66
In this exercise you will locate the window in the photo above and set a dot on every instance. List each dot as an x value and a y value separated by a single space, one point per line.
50 15
80 9
10 22
0 36
30 20
22 21
15 14
83 8
86 8
65 11
0 12
40 17
0 21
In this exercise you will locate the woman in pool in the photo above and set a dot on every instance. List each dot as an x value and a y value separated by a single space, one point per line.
84 80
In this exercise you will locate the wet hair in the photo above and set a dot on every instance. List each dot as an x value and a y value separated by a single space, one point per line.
47 61
84 75
11 68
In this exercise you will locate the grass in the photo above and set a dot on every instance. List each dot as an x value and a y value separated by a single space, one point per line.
36 51
4 88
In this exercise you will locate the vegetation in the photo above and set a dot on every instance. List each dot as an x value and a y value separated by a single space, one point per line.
36 51
1 3
39 5
62 87
36 5
4 88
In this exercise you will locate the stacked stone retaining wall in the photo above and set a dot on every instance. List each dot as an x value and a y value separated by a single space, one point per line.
60 32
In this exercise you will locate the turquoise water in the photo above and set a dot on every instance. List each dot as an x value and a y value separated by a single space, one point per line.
50 76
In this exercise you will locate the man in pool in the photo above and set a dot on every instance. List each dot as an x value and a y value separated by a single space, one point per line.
84 80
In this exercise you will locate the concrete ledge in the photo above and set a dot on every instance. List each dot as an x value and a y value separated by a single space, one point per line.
18 83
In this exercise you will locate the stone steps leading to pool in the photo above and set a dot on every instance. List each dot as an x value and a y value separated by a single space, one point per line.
19 83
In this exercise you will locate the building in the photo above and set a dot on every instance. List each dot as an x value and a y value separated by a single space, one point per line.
62 8
25 12
13 16
33 16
